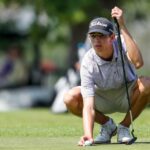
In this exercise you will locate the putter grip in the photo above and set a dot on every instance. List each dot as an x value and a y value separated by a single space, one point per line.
115 20
117 24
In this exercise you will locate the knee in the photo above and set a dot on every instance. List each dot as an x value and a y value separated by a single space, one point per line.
71 98
144 85
68 98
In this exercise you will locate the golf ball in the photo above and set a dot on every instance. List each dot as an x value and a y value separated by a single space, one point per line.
88 143
126 139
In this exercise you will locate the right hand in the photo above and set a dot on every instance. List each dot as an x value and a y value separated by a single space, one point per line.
83 139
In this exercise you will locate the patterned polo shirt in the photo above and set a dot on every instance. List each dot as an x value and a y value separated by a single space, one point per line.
97 73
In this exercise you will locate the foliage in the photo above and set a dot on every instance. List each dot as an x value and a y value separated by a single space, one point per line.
72 13
137 10
68 19
68 11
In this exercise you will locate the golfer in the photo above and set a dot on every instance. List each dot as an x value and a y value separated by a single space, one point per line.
102 89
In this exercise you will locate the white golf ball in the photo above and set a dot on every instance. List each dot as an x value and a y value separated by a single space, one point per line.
126 139
88 143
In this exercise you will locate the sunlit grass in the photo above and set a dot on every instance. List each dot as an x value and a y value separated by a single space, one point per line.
41 130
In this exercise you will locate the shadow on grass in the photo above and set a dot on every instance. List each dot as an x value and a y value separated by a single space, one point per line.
140 142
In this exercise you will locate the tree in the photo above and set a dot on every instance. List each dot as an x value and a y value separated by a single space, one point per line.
75 14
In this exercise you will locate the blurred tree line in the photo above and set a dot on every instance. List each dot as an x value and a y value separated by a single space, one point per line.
72 15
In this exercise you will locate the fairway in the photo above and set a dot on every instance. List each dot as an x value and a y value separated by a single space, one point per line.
38 129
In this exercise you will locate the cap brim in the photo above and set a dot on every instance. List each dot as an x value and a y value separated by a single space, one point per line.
99 31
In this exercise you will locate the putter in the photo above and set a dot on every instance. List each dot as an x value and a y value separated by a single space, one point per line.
125 80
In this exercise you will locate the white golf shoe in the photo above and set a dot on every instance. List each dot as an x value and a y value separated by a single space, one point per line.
108 130
123 134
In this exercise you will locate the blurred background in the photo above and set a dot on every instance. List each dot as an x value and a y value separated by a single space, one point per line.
42 43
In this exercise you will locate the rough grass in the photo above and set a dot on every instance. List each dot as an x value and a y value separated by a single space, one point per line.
38 129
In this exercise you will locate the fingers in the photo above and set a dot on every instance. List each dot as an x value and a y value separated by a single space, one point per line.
116 13
81 142
85 141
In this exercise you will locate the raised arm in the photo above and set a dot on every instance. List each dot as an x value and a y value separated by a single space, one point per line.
133 52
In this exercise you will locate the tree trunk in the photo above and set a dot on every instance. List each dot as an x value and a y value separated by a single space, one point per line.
78 34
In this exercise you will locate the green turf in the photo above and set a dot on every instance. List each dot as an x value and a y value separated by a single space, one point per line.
38 129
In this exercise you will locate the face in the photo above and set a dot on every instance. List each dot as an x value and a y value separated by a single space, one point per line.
102 44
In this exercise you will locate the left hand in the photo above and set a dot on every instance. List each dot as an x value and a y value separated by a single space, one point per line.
117 13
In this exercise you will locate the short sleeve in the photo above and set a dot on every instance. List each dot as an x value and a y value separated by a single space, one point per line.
87 82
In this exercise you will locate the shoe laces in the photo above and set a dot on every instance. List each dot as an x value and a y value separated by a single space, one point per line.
124 131
105 130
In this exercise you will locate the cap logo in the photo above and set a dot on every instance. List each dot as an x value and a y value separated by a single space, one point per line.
97 23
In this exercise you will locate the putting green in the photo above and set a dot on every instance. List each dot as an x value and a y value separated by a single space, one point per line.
38 129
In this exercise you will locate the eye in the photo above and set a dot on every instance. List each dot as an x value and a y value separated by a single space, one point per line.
102 35
94 35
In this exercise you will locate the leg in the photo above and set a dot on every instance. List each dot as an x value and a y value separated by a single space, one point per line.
74 102
139 100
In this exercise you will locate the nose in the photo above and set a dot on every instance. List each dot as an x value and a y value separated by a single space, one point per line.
98 39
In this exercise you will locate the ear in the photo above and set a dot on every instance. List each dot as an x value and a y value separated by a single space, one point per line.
89 39
112 36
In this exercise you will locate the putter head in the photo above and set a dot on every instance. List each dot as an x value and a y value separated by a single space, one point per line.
131 141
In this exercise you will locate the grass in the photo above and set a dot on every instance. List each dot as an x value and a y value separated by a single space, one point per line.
38 129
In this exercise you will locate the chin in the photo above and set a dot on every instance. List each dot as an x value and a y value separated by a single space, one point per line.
98 50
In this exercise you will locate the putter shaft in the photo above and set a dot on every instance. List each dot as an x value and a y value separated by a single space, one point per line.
125 80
